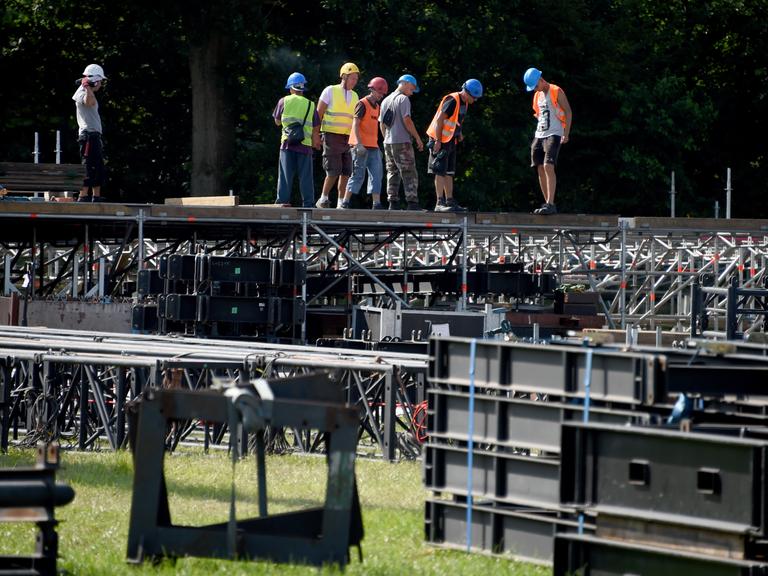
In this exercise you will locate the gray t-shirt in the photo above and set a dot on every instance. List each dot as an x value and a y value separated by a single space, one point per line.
400 105
88 119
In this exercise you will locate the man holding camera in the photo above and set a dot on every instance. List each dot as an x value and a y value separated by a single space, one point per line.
89 131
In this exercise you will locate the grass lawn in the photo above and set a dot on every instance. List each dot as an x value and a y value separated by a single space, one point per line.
94 528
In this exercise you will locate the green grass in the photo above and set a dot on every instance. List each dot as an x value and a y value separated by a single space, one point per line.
94 527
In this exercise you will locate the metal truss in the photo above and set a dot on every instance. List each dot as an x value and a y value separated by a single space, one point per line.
643 268
74 387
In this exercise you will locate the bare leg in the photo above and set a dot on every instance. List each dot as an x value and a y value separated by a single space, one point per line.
543 182
342 186
328 184
96 191
551 178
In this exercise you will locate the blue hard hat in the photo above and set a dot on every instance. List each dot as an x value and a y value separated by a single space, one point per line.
531 78
296 81
408 78
474 87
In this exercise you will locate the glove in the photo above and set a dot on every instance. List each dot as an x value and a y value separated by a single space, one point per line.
360 150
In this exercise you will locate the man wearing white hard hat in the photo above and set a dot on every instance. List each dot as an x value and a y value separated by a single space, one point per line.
89 131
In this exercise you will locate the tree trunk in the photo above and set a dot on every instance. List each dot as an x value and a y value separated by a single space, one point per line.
213 130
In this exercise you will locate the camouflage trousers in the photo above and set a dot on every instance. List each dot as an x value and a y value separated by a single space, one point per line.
401 166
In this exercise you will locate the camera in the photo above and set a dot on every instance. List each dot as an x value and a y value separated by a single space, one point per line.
79 81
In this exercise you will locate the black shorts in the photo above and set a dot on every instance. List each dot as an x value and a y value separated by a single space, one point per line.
337 158
545 150
445 166
92 156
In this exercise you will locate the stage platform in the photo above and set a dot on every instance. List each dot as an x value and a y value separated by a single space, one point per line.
59 221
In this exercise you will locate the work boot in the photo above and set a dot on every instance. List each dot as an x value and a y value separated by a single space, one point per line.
414 206
323 202
98 199
394 204
86 198
548 209
540 208
377 206
451 206
440 202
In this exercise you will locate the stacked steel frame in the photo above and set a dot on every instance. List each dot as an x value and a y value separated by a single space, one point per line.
513 457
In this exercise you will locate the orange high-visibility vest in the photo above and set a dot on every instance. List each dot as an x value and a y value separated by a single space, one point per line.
368 127
450 124
554 92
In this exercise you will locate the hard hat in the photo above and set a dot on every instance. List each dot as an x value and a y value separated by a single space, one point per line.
531 78
408 78
296 81
349 68
94 72
474 87
379 85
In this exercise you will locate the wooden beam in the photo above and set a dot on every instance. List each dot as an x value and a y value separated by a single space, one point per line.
204 201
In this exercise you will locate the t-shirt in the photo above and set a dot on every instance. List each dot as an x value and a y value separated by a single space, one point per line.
327 95
278 113
88 119
360 107
400 105
548 123
449 106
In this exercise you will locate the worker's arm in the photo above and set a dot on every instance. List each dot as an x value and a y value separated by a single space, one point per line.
438 132
566 106
90 97
356 130
413 132
321 108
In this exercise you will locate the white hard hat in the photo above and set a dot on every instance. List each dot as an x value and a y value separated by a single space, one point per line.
95 72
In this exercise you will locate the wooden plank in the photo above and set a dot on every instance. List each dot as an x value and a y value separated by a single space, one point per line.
204 201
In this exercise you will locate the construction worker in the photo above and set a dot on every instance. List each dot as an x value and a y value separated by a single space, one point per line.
397 126
553 112
89 132
364 143
444 132
300 124
336 109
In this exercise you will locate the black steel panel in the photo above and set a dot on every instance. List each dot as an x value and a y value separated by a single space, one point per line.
181 307
253 270
590 555
181 267
520 533
666 476
235 309
144 318
495 475
149 283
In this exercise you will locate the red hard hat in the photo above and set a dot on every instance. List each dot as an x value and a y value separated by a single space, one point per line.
379 84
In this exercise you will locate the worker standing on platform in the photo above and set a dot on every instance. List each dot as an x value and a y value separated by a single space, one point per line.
336 109
89 132
397 127
553 112
300 133
444 132
364 143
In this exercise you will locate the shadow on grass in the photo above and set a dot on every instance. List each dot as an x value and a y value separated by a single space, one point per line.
118 475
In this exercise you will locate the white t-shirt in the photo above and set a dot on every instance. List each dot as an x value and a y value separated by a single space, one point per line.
88 119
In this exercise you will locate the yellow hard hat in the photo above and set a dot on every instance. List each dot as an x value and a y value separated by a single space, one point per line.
349 68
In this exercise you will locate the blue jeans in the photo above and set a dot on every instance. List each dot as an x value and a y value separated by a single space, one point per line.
370 160
292 164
